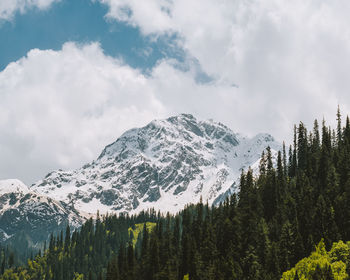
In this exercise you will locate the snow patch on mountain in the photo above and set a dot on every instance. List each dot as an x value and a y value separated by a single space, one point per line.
12 185
164 165
25 211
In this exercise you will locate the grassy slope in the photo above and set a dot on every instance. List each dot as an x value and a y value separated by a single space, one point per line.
138 229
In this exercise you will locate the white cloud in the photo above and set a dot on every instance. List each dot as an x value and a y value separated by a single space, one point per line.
9 7
59 109
290 59
151 16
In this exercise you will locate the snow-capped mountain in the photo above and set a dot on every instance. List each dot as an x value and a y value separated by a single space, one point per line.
164 165
31 216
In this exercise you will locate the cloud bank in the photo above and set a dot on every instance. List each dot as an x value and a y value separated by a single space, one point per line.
8 8
278 52
59 108
271 64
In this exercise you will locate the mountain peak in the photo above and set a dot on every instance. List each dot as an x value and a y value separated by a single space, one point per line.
164 165
12 186
183 128
181 118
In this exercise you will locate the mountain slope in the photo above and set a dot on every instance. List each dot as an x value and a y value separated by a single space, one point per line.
165 165
29 216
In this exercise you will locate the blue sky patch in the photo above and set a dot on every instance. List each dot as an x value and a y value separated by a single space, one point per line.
82 21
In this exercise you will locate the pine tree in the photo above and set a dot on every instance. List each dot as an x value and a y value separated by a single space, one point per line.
67 239
112 270
339 127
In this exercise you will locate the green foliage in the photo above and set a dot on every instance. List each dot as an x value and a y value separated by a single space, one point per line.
82 255
322 264
78 276
136 229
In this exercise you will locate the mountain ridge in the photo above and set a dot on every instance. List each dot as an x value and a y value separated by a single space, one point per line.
25 212
165 164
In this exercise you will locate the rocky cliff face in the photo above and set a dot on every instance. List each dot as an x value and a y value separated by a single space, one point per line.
165 165
30 215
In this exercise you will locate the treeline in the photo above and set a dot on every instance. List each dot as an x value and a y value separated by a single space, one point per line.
8 259
83 253
274 221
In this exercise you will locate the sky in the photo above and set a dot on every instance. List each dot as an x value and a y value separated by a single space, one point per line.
76 74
